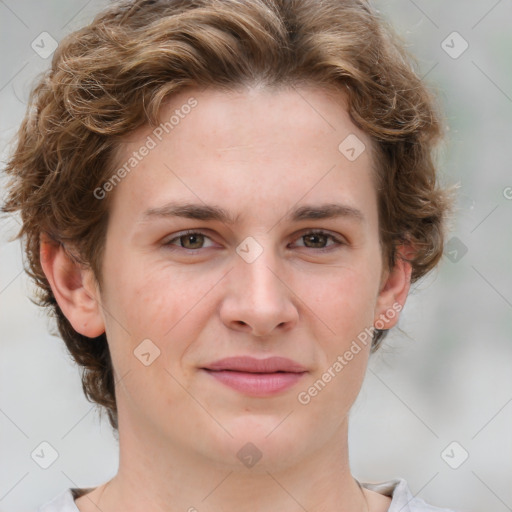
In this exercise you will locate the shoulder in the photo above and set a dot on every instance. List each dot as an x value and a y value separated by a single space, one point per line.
63 502
401 497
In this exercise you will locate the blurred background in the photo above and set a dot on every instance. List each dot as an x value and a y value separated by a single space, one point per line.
436 406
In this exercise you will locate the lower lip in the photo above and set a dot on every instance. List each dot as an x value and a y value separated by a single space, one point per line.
257 384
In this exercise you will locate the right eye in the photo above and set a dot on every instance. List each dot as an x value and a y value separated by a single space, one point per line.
190 240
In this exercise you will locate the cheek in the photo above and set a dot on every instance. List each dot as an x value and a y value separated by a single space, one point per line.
163 307
346 306
165 304
344 300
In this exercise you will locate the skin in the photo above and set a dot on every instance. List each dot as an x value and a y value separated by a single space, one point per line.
257 153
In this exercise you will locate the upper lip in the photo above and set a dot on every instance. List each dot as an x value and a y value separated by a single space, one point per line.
253 365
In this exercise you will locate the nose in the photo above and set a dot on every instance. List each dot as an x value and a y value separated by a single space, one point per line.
258 299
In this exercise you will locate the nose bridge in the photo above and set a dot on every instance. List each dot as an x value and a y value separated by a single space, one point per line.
258 298
257 268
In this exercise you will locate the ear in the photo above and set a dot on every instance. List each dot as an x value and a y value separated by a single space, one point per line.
395 284
74 288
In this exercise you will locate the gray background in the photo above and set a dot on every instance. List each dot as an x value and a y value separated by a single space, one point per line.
447 377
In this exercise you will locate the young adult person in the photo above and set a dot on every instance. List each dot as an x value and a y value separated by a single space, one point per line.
224 205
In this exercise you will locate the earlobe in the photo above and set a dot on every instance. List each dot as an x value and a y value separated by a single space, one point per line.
73 288
394 290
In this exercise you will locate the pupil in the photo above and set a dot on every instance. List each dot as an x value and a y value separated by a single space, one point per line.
316 237
189 239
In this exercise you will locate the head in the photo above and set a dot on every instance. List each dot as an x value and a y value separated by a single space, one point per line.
254 107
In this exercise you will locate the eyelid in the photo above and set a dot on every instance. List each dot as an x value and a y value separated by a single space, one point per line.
185 232
337 239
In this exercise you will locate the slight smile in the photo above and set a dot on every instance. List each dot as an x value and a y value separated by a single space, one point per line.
257 377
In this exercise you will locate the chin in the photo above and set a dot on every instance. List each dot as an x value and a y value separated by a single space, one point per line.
259 444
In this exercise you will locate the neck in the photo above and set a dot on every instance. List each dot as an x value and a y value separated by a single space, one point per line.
173 479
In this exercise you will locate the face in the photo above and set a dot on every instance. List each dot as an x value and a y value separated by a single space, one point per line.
244 231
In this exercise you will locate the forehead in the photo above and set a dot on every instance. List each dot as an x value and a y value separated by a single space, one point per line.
253 147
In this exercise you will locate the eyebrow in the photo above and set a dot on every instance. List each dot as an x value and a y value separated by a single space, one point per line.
210 212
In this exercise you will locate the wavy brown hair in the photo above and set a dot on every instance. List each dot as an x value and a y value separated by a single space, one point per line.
111 77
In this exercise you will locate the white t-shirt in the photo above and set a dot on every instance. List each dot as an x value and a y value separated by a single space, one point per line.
402 499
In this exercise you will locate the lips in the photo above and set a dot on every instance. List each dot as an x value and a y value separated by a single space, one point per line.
256 377
252 365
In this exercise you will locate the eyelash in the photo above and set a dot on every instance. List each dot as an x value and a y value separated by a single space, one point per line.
336 240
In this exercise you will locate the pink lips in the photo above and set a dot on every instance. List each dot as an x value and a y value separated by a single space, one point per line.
257 377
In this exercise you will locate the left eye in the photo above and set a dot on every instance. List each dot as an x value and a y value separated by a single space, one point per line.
195 240
318 239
